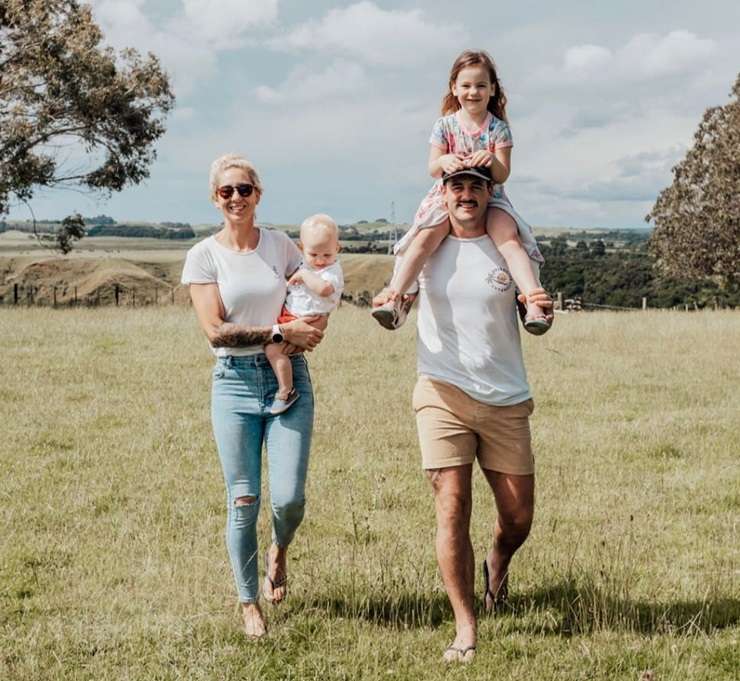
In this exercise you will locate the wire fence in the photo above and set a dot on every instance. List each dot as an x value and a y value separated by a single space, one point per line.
117 295
120 295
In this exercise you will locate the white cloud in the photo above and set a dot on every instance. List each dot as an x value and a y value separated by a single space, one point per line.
187 43
224 20
645 57
648 55
365 31
340 78
586 60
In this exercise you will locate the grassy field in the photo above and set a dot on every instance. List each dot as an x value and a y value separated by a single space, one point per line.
112 560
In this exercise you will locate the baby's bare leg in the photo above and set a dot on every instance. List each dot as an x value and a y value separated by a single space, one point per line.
502 228
421 247
282 367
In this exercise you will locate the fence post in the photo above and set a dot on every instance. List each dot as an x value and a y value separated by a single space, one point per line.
75 298
686 307
115 291
54 297
560 300
133 298
173 295
156 295
644 303
15 294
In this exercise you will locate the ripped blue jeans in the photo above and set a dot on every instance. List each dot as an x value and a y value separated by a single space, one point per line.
243 390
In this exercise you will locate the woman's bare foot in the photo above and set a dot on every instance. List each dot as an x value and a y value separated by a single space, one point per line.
254 622
275 587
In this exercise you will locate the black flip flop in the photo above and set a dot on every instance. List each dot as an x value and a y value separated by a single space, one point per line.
499 598
460 652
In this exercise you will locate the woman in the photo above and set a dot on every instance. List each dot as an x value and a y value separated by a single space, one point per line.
237 281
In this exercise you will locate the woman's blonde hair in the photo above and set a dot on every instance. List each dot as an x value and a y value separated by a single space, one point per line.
223 163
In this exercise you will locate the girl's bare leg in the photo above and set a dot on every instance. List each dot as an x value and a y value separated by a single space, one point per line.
502 228
421 247
282 367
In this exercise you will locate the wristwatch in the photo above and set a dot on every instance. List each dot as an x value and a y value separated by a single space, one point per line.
277 334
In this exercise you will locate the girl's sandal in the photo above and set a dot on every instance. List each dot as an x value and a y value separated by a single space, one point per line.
537 325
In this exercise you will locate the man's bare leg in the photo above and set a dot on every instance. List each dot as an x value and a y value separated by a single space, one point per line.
514 496
453 503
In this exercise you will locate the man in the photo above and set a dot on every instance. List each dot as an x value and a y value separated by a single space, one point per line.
472 400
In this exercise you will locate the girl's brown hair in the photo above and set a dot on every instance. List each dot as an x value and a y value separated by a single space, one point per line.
497 102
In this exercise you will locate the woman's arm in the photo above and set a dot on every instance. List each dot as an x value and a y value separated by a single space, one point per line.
222 334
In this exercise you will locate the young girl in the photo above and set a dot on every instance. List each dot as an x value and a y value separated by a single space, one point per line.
472 132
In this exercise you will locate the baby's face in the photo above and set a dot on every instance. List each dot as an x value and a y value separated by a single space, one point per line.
319 248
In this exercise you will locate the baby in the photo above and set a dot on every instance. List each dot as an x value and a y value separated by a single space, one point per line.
314 289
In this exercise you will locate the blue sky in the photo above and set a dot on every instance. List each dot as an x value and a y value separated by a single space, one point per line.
334 101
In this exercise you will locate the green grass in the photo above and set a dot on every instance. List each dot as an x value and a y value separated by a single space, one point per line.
112 561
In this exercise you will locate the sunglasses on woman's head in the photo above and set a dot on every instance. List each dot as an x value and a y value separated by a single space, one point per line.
227 191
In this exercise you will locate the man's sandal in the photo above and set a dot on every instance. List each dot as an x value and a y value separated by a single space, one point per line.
274 583
454 654
493 601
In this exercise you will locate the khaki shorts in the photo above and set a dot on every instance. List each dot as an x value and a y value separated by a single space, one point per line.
454 430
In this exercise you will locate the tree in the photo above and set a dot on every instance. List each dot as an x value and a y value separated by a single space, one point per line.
71 229
61 90
697 218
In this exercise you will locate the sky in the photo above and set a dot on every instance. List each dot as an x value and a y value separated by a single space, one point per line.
334 101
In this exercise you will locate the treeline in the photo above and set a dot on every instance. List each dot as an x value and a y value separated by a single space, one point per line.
102 225
622 277
146 231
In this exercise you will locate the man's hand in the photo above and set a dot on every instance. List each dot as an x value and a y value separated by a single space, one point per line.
389 294
385 296
542 298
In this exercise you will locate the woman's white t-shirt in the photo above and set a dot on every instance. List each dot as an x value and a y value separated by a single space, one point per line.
252 284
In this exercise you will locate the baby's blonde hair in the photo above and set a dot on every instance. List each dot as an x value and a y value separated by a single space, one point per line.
320 222
223 163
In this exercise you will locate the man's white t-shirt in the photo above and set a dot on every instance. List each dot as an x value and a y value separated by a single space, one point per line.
468 330
303 302
252 284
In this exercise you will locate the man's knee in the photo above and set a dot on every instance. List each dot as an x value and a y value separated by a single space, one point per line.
453 505
245 501
517 524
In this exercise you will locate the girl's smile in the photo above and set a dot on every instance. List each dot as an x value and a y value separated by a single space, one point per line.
473 89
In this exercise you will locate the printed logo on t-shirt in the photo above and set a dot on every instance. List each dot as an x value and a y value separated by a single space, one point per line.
275 272
499 279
